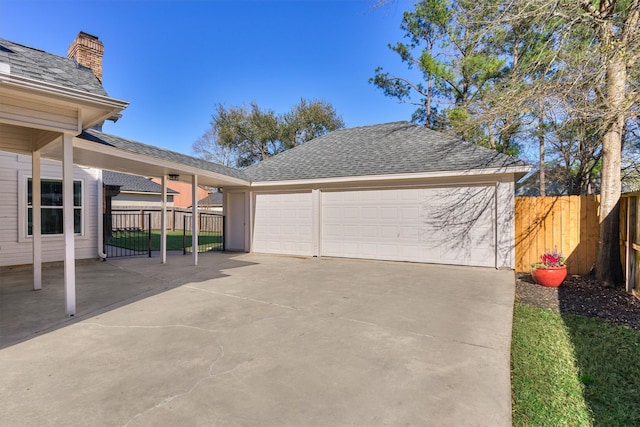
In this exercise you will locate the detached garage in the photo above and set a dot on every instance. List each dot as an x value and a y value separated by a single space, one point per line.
394 191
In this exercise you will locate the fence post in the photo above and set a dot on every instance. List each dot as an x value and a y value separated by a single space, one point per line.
149 233
184 235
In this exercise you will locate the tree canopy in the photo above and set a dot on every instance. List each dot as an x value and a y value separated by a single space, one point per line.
557 80
243 135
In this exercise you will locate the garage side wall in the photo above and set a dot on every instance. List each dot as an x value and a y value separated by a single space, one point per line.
505 193
236 211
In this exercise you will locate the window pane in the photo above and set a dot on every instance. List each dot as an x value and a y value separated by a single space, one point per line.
51 221
29 192
51 193
29 222
77 193
77 221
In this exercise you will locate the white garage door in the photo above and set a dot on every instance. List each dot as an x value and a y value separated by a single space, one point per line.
283 224
454 225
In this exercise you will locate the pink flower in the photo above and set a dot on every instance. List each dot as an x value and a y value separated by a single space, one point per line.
550 259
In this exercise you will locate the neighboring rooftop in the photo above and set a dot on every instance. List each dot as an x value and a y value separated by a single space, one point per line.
132 183
213 199
42 66
385 149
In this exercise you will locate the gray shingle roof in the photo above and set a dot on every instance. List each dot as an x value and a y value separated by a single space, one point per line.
158 153
385 149
135 183
213 199
39 65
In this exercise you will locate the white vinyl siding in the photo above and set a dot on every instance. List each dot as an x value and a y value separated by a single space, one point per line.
15 245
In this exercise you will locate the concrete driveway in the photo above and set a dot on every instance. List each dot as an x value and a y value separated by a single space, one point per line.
256 340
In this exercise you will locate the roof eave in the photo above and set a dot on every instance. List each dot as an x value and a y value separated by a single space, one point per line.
518 171
111 106
150 166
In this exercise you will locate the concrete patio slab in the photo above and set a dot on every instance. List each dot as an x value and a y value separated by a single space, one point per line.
256 340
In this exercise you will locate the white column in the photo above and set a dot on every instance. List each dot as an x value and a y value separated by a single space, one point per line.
316 212
194 219
36 220
69 234
163 222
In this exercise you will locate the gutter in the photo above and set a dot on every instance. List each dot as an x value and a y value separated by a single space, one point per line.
516 170
11 80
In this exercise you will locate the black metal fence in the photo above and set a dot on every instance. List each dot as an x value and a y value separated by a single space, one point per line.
127 234
210 232
132 233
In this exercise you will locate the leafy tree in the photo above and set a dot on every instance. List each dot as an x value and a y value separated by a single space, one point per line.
598 44
241 136
560 74
446 44
308 120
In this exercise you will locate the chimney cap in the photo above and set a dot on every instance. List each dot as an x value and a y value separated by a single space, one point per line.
83 33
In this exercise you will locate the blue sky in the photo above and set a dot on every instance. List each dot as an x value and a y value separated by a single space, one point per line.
175 60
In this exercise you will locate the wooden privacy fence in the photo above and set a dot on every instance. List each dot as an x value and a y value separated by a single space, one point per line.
569 223
174 220
630 241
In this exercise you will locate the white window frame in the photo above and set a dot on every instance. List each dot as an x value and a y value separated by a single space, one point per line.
23 208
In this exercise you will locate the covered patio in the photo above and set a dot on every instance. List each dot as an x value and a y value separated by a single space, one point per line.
45 120
100 287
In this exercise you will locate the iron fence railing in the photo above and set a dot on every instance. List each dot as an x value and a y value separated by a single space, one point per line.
210 232
127 234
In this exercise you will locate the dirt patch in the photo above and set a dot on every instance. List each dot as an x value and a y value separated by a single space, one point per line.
581 295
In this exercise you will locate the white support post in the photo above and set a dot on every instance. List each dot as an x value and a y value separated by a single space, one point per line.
194 219
68 228
316 197
163 222
36 220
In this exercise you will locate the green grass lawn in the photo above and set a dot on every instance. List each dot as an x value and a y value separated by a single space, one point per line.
132 240
570 370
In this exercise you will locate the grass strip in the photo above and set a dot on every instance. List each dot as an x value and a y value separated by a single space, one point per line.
137 241
572 370
545 387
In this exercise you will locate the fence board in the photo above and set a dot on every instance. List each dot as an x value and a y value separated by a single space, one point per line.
569 223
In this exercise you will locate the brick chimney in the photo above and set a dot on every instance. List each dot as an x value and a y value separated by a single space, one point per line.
87 50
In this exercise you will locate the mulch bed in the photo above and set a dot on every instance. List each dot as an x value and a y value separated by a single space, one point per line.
581 295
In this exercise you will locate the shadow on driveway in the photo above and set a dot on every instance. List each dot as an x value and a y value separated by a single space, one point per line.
100 287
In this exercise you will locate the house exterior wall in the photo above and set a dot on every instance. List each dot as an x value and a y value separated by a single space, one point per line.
139 200
183 198
15 245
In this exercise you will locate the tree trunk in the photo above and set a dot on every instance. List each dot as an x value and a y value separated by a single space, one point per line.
543 187
608 268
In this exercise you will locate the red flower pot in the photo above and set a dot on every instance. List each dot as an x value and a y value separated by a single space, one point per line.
551 277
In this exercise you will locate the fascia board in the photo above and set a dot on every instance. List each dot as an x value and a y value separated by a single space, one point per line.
40 87
395 177
153 193
168 165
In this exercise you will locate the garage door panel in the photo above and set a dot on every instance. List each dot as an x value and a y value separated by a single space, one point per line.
453 225
283 224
